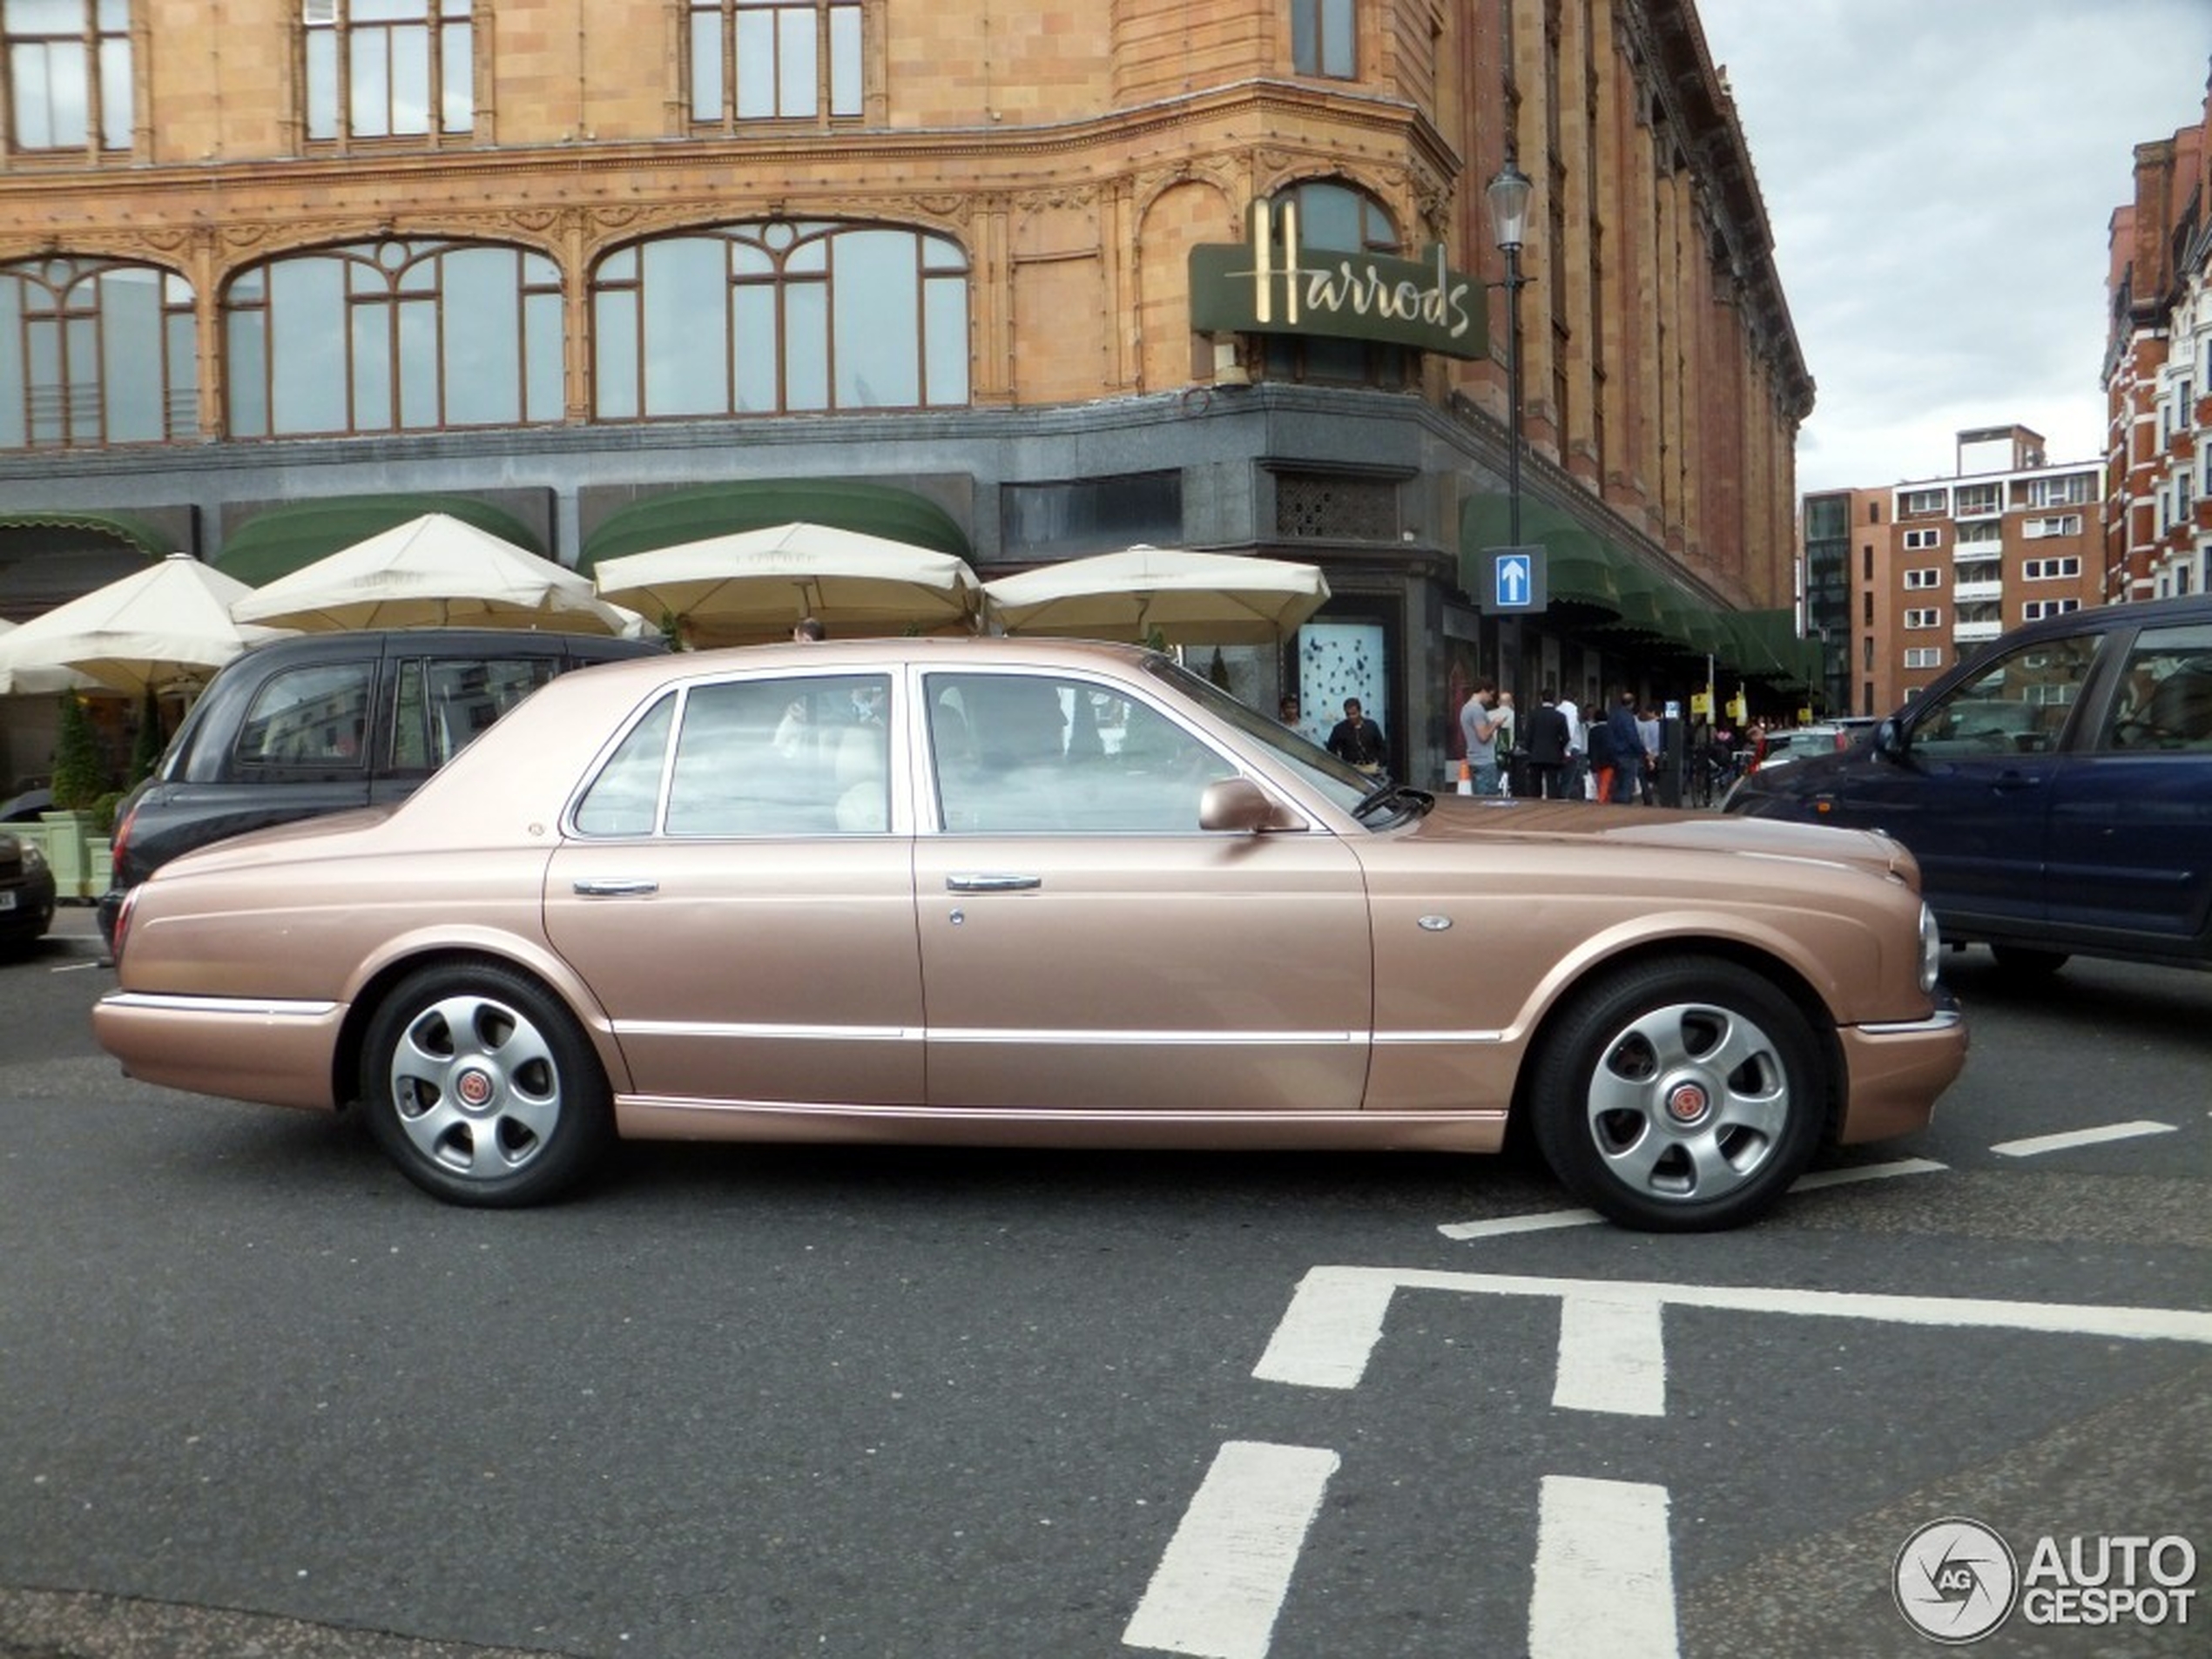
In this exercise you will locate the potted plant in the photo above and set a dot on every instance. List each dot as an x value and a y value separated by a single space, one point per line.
79 781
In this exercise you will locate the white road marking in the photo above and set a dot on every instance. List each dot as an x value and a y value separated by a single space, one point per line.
2035 1143
1605 1577
1543 1221
1221 1581
1335 1318
1611 1356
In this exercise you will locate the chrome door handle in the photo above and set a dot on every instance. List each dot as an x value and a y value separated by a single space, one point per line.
615 887
992 883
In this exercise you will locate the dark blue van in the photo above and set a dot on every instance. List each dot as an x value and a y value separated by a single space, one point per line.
2056 788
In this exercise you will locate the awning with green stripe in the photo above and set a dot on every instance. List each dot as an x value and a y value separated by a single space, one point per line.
698 513
119 526
279 541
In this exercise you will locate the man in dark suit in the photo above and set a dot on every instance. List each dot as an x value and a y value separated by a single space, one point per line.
1549 738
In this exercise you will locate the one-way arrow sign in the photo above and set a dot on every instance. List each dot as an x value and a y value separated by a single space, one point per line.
1518 584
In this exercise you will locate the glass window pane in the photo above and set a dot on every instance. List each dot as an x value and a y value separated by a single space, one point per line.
752 351
418 346
60 95
410 74
311 718
369 96
783 756
795 64
115 94
131 350
756 65
805 347
544 396
372 366
81 346
625 798
307 338
945 321
245 373
845 60
483 360
322 84
614 354
686 355
13 381
707 66
183 413
878 333
1337 50
457 68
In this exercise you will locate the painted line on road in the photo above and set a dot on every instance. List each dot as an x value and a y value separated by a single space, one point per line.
2035 1144
1335 1319
1544 1221
1612 1357
1221 1581
1605 1578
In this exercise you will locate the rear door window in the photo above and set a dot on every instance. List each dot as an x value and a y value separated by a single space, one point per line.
307 719
444 703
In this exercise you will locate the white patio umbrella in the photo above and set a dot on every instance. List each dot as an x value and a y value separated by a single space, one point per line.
431 571
1185 598
37 681
167 625
754 584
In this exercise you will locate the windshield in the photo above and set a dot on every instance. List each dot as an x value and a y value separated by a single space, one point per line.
1344 784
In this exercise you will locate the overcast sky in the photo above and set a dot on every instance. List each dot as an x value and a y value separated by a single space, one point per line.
1941 177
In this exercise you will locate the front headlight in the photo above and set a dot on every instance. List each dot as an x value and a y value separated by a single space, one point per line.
1931 947
33 860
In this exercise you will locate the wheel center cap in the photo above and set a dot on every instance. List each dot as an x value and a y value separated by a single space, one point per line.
1688 1101
475 1088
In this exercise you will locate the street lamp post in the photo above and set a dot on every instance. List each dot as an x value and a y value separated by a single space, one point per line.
1508 194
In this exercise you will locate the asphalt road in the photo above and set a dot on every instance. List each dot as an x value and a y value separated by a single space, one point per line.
258 1396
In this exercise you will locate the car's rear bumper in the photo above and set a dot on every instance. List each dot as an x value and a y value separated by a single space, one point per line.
1897 1069
241 1049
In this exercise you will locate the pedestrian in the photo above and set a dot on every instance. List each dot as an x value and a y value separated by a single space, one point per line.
1648 734
1547 735
809 630
1479 724
1627 749
1578 747
1601 737
1357 739
1287 712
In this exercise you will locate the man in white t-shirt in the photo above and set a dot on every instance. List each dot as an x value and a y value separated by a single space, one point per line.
1578 747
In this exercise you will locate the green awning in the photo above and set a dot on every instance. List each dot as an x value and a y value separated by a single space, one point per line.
279 541
749 504
1769 649
120 526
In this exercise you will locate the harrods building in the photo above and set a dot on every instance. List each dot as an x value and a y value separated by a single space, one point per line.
1021 279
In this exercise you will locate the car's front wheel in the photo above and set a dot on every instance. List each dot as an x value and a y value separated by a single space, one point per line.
1679 1096
481 1087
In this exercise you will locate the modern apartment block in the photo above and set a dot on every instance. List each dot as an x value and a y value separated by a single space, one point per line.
2158 373
1017 281
1904 580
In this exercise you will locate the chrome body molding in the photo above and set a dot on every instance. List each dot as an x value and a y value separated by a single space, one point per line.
770 1032
1941 1020
268 1008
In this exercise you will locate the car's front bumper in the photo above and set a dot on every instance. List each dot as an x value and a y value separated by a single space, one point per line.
1896 1069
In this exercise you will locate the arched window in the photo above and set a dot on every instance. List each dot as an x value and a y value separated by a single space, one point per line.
758 319
393 336
95 352
1338 216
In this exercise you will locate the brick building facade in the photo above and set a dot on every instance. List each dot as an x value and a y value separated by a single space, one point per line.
272 271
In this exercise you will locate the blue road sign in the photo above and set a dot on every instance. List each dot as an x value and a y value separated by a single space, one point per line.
1518 584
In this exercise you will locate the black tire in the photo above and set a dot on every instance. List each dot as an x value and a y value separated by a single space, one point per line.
1679 1096
447 1034
2025 963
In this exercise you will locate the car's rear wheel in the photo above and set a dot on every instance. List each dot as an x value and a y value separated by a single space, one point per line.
1678 1096
481 1087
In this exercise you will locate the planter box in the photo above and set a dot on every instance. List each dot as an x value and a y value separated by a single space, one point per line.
69 843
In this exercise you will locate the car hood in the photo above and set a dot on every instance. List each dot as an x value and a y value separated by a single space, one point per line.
1567 822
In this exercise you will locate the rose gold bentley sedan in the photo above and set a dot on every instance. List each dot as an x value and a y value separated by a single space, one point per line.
1013 892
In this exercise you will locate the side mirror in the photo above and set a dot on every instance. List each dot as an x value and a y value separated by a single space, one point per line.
1888 742
1238 807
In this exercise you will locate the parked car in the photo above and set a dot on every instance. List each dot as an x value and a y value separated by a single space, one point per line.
26 806
1786 744
1001 891
2056 789
321 723
26 892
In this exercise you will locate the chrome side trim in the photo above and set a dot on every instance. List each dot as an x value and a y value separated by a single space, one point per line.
767 1032
269 1007
985 1036
1941 1020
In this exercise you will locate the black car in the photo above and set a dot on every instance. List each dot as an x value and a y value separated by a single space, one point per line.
320 723
2056 789
26 892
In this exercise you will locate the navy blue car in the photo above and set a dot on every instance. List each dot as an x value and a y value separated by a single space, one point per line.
2056 789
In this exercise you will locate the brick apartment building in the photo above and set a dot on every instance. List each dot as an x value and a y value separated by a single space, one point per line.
2158 373
602 276
1905 580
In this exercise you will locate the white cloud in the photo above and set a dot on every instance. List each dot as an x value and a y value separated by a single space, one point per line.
1941 175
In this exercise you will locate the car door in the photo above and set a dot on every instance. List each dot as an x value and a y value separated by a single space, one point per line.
2131 817
1086 947
738 892
1972 795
